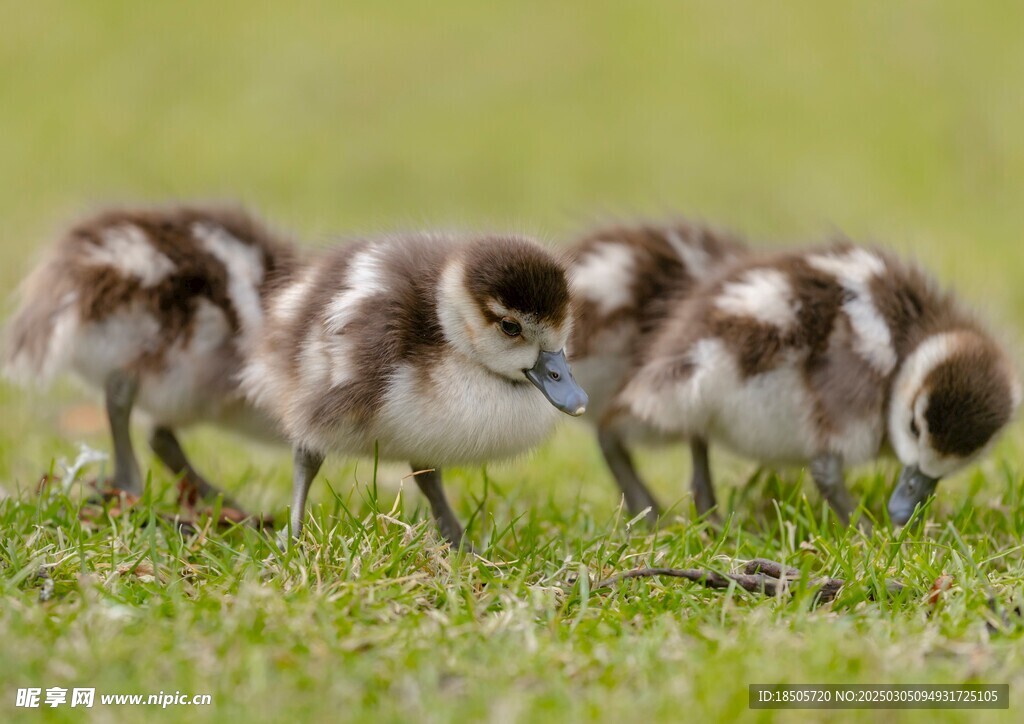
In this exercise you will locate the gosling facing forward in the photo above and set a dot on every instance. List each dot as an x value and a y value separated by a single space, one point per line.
420 348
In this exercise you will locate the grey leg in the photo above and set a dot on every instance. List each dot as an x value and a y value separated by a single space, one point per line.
306 464
168 449
120 390
827 471
703 491
432 489
637 496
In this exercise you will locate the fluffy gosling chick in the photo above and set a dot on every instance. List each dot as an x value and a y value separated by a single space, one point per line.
153 307
428 349
626 280
826 357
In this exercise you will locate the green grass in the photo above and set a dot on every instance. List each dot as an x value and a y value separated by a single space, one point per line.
372 619
898 123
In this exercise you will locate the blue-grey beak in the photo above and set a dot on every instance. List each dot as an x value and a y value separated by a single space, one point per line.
913 489
551 375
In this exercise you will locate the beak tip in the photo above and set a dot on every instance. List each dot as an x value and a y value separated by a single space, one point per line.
913 490
552 376
900 515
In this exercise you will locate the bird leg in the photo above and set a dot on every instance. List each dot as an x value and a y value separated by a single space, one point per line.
638 497
827 471
193 485
703 490
120 389
429 482
305 465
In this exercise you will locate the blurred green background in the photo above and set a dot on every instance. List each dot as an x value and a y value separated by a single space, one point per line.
894 122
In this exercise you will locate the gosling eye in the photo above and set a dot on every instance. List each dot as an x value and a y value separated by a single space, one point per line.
914 429
510 327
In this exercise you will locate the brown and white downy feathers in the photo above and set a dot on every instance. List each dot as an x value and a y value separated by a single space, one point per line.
837 350
167 294
626 280
390 345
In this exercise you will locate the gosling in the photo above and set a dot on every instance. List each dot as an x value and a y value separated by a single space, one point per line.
827 357
430 349
625 281
153 307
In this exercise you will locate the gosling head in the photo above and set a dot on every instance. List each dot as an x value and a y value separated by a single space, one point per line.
504 303
952 396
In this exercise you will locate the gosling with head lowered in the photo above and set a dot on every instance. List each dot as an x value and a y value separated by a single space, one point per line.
828 357
153 307
430 349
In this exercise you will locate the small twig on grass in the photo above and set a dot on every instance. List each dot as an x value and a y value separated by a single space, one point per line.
759 576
